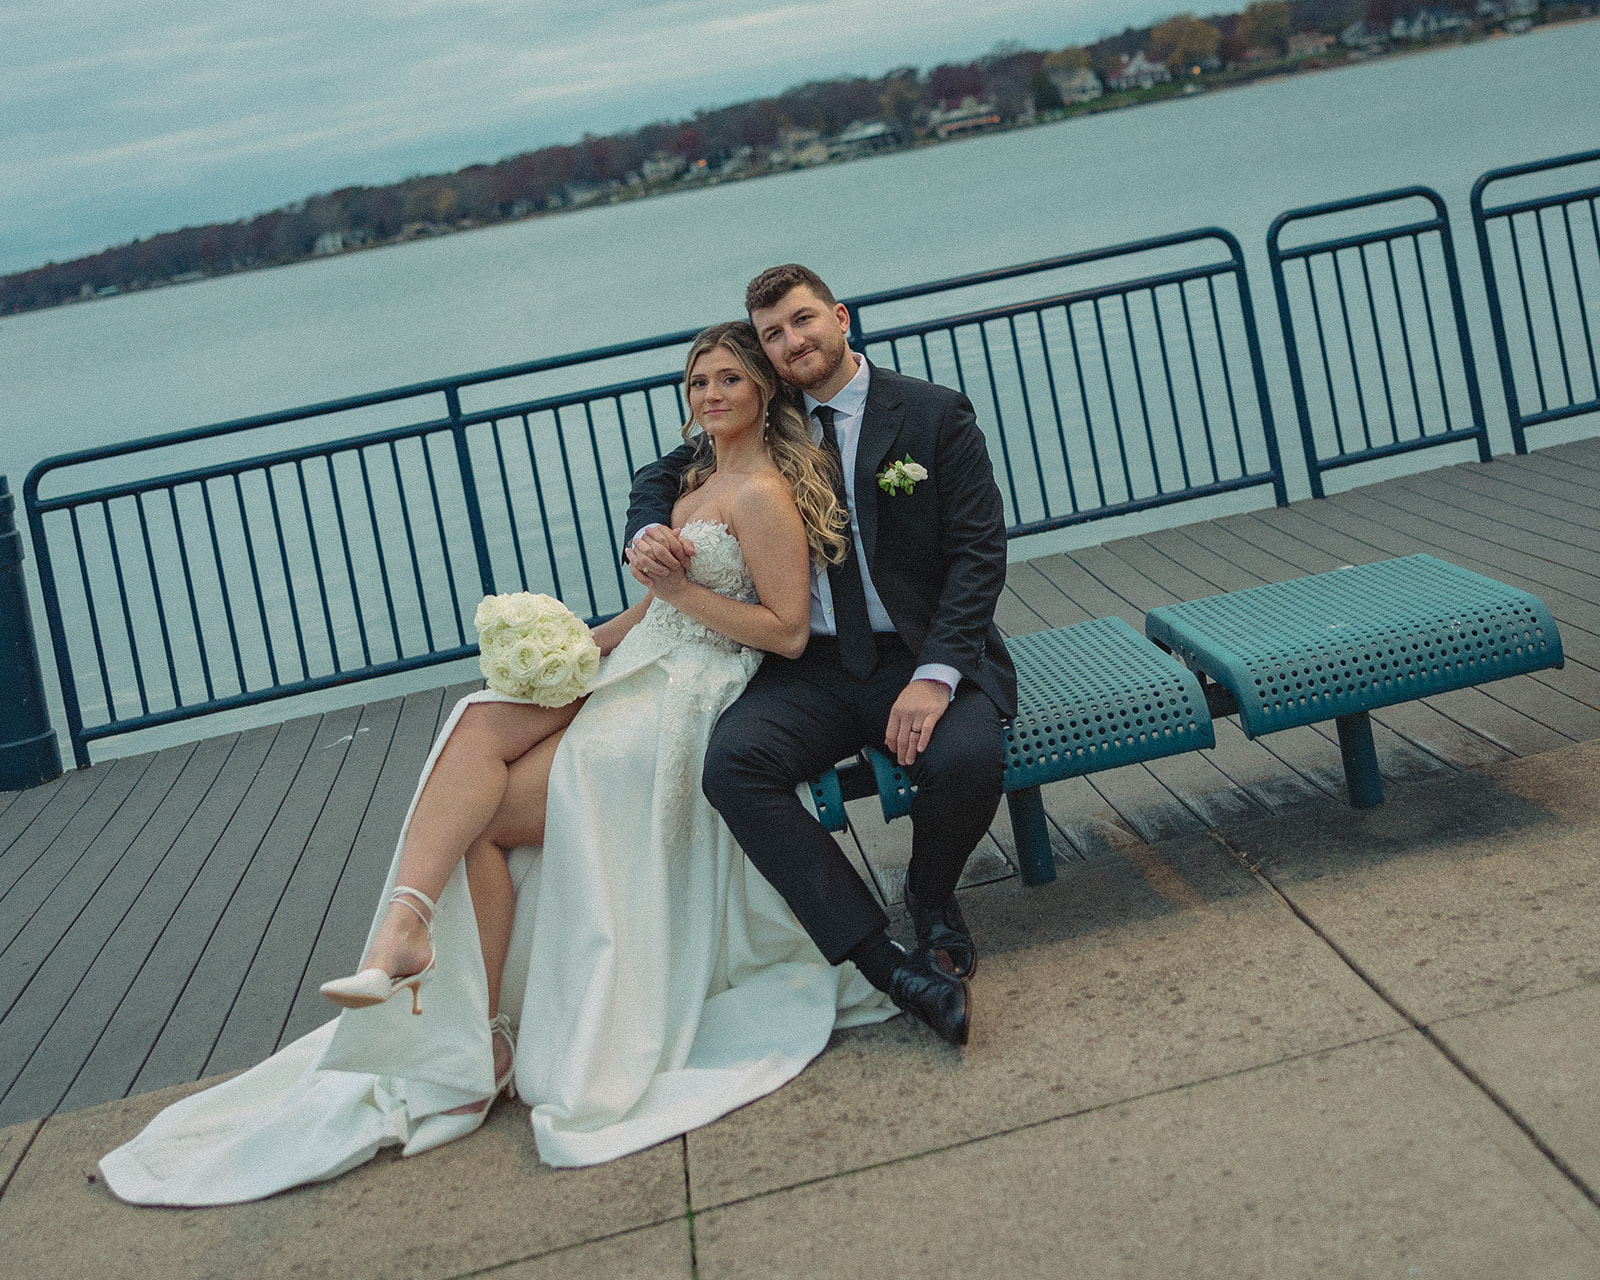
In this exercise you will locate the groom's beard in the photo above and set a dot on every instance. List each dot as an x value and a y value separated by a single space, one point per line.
821 379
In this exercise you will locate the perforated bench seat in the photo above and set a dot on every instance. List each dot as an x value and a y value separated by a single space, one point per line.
1334 646
1090 697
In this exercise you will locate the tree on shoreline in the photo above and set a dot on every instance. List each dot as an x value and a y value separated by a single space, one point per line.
733 141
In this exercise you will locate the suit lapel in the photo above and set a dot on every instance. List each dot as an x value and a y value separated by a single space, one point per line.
880 424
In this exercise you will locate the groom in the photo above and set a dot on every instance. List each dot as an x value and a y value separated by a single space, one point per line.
903 654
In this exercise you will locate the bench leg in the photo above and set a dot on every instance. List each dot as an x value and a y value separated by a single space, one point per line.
1360 760
1032 830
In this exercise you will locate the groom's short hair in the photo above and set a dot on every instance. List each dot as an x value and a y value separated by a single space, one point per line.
768 288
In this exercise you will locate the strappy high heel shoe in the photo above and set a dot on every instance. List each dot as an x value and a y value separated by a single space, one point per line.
447 1126
375 986
500 1025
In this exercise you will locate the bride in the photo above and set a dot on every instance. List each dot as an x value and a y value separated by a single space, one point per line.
657 981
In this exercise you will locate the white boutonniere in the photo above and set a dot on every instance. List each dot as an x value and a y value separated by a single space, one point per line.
901 477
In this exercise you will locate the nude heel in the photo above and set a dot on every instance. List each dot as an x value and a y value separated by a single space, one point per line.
375 986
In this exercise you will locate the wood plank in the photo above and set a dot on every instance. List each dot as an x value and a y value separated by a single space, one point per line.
60 807
255 1024
1145 804
1399 760
1012 614
75 839
1225 574
44 904
1551 707
50 1014
1254 559
881 852
1087 824
1251 765
1514 475
1439 735
1087 592
1540 515
147 966
342 935
1526 554
1575 465
186 1041
1579 591
83 1023
24 806
1043 598
1304 542
1180 581
1206 791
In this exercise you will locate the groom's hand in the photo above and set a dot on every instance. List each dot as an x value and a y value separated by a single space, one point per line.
912 718
656 552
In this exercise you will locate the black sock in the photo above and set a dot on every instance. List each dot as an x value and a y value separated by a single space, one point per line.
877 957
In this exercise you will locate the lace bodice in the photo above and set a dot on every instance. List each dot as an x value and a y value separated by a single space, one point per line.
717 564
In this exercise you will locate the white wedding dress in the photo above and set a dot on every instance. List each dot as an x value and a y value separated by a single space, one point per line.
660 981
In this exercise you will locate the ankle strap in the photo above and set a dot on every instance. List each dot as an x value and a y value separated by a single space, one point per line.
400 895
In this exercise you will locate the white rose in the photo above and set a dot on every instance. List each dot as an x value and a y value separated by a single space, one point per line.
534 647
490 615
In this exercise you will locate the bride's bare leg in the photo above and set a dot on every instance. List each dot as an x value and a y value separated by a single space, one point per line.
463 794
518 821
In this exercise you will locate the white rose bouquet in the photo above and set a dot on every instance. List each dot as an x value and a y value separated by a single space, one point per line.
534 647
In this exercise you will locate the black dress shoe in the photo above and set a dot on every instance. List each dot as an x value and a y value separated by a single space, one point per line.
942 934
938 998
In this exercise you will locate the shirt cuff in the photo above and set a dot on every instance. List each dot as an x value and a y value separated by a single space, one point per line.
947 676
654 524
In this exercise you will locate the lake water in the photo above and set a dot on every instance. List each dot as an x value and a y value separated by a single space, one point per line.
171 358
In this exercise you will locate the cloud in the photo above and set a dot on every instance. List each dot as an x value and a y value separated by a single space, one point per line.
116 112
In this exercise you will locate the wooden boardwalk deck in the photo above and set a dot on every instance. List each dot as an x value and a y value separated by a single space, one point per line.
166 917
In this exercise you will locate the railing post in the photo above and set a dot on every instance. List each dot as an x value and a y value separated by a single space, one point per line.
28 751
469 491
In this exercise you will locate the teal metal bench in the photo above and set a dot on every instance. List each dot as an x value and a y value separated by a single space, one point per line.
1335 646
1089 697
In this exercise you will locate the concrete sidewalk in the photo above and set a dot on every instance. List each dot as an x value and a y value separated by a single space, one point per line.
1329 1044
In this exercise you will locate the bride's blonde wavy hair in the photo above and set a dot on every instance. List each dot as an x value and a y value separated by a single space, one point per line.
787 436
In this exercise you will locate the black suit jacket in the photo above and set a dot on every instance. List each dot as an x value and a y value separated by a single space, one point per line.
937 556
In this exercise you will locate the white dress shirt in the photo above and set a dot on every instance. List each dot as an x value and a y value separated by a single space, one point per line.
849 406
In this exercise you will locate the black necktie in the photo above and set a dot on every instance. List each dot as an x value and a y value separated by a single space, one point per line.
858 651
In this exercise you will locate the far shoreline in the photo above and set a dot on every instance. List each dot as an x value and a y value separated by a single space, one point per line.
1173 91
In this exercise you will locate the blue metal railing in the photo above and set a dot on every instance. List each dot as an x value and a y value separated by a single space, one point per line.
228 584
1367 320
208 586
1541 269
1110 397
227 581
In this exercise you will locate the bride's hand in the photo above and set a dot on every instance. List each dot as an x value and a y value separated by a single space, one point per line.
672 575
669 585
658 550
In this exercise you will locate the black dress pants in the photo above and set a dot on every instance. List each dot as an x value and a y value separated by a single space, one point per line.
798 718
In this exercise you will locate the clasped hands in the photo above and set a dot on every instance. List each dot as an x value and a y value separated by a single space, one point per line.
659 558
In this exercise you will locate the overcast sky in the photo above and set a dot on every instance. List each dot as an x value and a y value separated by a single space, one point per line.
121 118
